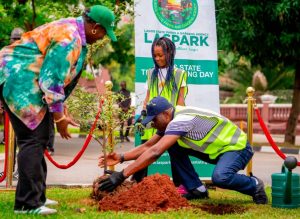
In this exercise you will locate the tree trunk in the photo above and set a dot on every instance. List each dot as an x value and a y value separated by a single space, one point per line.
290 132
22 2
31 25
33 14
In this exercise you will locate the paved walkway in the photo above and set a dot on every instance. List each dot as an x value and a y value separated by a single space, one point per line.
86 169
261 138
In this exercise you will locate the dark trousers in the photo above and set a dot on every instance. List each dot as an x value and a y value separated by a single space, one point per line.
129 123
225 174
50 145
31 187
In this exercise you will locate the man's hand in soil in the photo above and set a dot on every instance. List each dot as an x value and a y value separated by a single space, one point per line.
111 159
110 183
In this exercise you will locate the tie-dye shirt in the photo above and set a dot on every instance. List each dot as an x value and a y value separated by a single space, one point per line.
42 69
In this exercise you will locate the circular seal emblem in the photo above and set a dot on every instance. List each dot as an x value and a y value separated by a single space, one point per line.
175 14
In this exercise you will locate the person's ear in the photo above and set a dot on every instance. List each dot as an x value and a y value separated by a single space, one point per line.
94 28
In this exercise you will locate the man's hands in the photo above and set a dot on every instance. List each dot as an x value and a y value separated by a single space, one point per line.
111 159
62 125
110 183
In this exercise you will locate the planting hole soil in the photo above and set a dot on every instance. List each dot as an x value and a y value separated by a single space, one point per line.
155 193
221 209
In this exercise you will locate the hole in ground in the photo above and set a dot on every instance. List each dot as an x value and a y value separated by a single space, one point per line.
220 209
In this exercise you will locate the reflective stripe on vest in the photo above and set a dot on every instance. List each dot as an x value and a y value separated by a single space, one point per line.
171 96
225 136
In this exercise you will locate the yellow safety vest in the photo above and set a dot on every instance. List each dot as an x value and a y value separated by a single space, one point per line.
224 136
180 75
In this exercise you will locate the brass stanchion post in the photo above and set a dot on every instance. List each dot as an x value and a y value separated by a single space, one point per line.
10 157
251 101
109 112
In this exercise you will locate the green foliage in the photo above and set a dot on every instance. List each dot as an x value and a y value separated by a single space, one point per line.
123 49
238 72
87 75
283 96
84 106
13 14
117 75
267 32
118 56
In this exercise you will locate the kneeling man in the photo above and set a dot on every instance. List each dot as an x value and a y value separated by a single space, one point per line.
200 133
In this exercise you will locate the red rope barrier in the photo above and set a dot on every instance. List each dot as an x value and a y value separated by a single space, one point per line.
270 139
6 128
79 154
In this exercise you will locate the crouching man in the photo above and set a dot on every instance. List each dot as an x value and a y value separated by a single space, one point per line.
200 133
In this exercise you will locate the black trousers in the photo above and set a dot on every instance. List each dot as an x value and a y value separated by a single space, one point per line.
31 187
129 123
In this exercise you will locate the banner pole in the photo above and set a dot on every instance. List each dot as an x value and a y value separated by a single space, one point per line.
250 92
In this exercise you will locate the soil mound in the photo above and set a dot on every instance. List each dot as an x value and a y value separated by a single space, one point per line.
155 193
98 195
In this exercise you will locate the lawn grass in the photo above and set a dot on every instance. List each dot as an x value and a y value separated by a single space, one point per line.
75 203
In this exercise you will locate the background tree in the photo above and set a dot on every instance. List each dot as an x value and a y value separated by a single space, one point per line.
29 14
268 33
236 73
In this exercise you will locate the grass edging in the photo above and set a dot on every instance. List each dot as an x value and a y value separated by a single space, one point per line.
75 203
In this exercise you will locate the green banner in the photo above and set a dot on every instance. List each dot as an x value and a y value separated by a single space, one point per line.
199 71
191 25
163 166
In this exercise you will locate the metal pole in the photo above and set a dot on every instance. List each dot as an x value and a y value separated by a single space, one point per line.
109 122
250 92
10 157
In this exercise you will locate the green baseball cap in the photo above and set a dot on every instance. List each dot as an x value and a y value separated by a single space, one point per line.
104 16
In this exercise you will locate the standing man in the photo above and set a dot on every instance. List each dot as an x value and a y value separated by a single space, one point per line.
37 74
200 133
124 104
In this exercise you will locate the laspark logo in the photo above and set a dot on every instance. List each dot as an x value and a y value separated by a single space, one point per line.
176 14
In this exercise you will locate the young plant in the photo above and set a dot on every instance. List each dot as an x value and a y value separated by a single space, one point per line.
83 106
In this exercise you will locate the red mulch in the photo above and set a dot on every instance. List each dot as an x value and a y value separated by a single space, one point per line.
155 193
